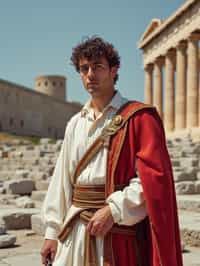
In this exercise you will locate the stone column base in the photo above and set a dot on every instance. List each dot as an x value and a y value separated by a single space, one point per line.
193 133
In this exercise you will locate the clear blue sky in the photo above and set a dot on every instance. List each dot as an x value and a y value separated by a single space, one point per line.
37 38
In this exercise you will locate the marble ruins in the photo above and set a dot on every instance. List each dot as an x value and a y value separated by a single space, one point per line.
171 62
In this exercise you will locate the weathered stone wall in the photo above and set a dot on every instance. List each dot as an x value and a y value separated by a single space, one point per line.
26 112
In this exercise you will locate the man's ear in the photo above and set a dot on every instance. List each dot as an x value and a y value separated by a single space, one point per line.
114 71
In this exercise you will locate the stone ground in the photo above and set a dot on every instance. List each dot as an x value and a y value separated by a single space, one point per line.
27 251
27 162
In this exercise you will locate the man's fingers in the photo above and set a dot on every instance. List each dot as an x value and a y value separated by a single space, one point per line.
44 253
49 249
53 255
96 228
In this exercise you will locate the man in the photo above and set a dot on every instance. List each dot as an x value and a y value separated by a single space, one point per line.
97 210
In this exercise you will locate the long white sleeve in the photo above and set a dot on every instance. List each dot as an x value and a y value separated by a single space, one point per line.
58 197
128 206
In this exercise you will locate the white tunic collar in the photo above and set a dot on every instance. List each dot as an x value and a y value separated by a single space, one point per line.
115 103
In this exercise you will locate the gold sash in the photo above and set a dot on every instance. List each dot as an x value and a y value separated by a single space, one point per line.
91 198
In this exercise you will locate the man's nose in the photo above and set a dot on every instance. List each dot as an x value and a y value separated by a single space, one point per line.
91 72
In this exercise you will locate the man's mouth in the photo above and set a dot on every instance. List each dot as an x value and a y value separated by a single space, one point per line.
92 83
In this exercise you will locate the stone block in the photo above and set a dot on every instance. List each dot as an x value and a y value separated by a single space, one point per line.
25 202
2 190
184 176
16 219
21 186
188 152
197 149
189 162
36 162
42 185
197 187
7 240
176 154
16 154
44 141
38 195
38 175
22 174
198 175
2 227
169 142
7 175
30 147
8 199
175 163
37 224
186 187
189 202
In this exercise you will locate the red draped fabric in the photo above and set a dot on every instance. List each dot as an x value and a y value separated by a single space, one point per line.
142 144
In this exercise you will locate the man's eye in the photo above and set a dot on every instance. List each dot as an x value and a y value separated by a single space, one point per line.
84 69
99 66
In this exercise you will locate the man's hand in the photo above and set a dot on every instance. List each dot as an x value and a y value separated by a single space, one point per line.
101 222
49 248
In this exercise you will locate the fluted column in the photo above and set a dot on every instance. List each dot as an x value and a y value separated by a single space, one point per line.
180 99
158 86
169 90
148 91
192 82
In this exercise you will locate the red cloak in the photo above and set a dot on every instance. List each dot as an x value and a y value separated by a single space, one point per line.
141 144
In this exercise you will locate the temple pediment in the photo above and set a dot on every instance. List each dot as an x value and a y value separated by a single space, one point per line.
154 24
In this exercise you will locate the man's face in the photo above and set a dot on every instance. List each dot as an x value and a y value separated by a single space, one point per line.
97 76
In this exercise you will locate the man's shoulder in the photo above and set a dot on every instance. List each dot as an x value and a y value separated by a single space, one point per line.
132 108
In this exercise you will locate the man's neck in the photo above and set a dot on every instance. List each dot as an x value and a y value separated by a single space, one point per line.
98 104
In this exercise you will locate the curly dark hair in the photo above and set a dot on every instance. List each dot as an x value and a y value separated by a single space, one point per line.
92 48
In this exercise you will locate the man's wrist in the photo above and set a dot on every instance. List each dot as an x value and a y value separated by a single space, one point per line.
114 212
51 233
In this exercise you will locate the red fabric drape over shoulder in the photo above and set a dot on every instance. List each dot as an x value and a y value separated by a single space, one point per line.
142 144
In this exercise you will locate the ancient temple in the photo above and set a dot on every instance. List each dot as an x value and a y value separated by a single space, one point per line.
172 64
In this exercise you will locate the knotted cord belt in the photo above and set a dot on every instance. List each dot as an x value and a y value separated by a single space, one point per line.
91 198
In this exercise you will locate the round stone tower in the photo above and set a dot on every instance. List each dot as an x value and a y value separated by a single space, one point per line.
54 86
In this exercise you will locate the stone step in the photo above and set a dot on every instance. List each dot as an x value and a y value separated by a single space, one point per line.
175 162
14 167
17 218
42 185
188 187
7 175
189 202
189 162
190 227
177 169
14 164
38 195
185 175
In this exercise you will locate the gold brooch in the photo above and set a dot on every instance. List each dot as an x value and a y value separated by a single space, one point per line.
118 120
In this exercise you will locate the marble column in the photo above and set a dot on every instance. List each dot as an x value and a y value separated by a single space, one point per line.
158 86
148 92
169 90
180 99
192 82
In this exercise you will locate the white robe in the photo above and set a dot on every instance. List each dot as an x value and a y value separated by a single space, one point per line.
127 206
